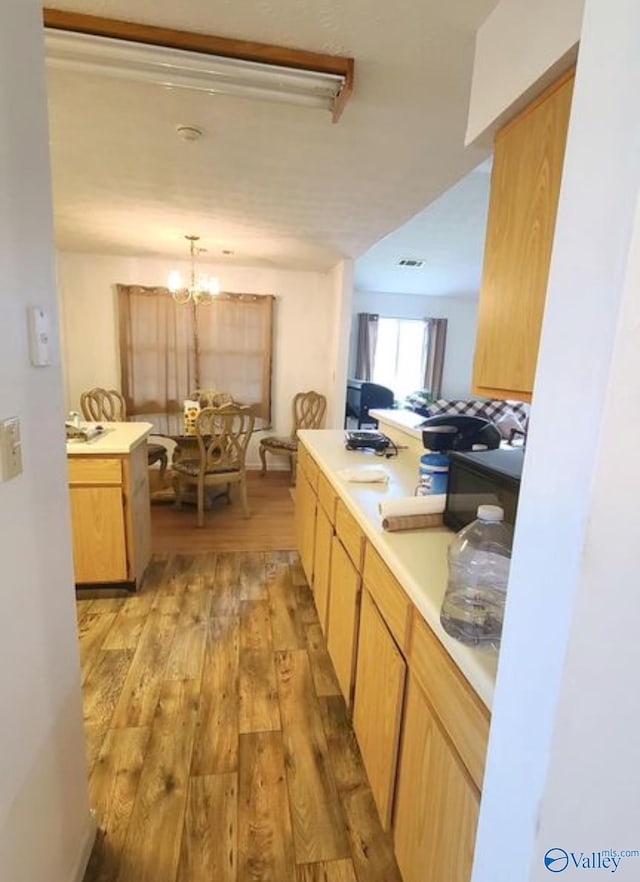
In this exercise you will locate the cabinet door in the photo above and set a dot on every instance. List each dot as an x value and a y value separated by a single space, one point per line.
344 606
99 541
377 709
322 566
306 506
437 805
525 185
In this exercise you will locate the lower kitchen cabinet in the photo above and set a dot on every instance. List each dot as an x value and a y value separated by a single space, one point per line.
322 566
110 516
344 609
377 709
99 539
436 811
306 509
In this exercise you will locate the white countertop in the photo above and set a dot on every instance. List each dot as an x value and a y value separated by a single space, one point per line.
406 420
418 558
117 438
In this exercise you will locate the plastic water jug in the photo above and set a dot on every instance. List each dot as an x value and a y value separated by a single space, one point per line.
479 557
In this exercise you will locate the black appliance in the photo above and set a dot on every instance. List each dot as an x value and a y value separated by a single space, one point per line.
487 477
366 439
458 432
362 397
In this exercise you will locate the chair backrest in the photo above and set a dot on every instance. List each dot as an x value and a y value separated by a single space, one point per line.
308 411
223 435
103 405
374 395
211 397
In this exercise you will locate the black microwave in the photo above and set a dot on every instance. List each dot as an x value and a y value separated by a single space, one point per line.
486 477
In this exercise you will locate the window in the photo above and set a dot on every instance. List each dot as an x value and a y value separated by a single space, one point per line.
400 354
169 350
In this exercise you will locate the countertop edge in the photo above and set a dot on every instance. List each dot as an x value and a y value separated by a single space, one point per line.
117 440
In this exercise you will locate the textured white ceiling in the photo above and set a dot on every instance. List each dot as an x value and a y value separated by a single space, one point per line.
276 184
448 235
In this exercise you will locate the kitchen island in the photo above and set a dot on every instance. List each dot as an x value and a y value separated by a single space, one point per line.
419 700
110 505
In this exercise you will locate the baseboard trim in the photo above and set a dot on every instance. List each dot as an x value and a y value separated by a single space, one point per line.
85 849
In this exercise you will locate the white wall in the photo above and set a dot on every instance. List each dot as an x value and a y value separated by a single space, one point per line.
342 280
303 324
521 47
563 768
462 315
45 825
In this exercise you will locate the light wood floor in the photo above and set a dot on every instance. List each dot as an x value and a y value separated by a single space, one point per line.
270 526
218 745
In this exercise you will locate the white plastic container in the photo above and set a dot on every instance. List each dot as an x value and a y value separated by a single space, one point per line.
479 558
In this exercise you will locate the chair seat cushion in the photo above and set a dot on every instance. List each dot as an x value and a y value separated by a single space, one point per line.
191 467
156 452
276 443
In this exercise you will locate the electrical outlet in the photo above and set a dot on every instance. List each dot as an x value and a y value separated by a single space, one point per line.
10 449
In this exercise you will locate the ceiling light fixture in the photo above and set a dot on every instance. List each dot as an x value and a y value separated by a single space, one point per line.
202 289
196 71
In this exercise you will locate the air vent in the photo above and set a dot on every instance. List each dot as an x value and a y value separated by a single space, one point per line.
411 263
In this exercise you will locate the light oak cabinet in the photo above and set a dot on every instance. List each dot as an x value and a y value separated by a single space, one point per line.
344 609
525 186
377 709
305 514
99 541
322 566
421 728
110 516
437 805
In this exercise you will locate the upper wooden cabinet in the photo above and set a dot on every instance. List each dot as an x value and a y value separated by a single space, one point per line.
525 185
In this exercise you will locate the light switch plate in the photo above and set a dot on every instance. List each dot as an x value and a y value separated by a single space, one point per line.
10 449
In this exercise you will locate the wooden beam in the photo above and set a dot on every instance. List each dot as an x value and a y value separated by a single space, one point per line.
208 44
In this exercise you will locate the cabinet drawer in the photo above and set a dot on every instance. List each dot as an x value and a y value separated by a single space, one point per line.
350 534
328 497
389 597
94 470
462 714
308 466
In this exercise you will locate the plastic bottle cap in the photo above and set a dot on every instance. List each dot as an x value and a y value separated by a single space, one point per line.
492 513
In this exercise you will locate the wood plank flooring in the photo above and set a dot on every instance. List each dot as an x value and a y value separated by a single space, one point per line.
270 526
218 744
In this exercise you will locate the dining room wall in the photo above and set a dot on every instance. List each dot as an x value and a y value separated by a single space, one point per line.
303 324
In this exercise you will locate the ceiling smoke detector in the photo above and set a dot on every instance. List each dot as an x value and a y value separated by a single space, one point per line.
411 262
189 133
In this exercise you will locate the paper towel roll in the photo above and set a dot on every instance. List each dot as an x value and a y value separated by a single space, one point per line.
413 505
411 522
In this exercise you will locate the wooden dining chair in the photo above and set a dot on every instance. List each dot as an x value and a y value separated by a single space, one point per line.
223 435
103 405
109 406
308 413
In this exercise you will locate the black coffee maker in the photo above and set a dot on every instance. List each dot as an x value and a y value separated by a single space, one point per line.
457 432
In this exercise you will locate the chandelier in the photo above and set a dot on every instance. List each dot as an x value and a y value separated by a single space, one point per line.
201 289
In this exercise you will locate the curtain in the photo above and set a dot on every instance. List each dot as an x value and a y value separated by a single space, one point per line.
157 355
436 333
367 339
233 345
170 350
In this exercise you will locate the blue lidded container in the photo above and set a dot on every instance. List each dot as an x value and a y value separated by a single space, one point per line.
434 474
